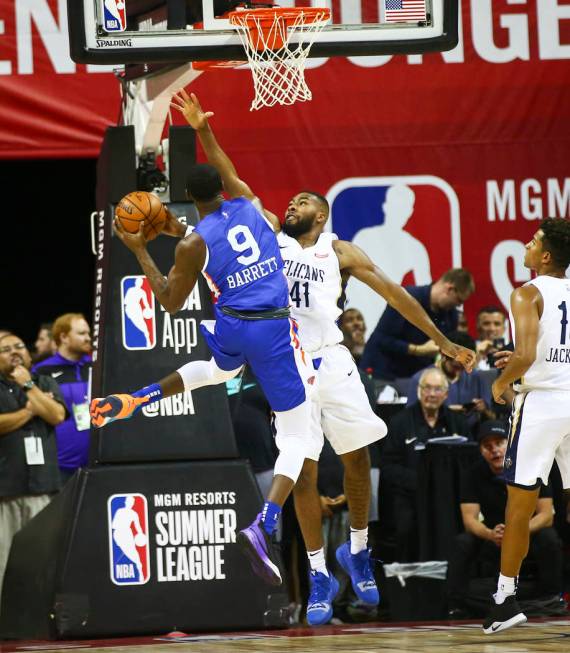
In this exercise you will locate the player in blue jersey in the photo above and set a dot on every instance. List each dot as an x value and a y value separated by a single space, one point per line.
235 248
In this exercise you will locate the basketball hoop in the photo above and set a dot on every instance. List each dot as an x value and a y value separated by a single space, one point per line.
277 59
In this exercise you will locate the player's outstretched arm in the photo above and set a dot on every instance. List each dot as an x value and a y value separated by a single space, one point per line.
273 219
190 108
526 309
355 262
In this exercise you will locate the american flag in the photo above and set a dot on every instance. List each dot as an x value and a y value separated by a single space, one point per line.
397 11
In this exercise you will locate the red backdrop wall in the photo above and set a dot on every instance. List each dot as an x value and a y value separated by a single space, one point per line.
490 121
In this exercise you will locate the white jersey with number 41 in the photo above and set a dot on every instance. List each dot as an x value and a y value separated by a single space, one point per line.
315 288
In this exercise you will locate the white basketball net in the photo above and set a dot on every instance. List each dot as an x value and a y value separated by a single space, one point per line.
278 74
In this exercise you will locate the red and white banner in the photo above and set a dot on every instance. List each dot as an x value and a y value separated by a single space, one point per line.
480 136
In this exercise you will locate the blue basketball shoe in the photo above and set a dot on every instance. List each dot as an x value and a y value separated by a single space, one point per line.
257 546
323 590
358 568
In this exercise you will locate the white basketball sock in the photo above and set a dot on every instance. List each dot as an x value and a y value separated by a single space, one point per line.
358 540
317 561
506 586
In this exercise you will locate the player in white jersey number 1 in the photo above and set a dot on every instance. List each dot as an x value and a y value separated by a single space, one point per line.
539 369
318 266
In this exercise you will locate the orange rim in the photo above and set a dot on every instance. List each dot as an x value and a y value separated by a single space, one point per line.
288 14
262 20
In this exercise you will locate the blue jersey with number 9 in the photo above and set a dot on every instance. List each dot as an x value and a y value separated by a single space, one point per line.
243 267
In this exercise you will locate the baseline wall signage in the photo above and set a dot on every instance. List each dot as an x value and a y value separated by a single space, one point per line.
187 536
140 548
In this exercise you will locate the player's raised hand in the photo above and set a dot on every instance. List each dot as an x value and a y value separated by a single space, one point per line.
190 108
134 241
467 357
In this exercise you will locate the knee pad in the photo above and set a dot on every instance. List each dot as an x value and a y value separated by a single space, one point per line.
201 373
291 458
292 439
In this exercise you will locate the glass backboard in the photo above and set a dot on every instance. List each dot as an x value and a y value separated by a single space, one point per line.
147 31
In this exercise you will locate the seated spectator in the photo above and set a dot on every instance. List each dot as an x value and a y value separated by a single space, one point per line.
408 431
45 344
353 327
491 335
469 394
70 366
483 490
397 348
30 407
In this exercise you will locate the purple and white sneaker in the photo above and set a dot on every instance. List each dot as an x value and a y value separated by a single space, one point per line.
257 546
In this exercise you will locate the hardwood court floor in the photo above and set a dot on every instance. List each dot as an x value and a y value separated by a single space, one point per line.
544 636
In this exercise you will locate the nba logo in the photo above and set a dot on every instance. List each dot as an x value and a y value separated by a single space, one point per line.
114 16
128 539
408 225
138 316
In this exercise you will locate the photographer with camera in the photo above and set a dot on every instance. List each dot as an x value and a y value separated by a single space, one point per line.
491 334
469 394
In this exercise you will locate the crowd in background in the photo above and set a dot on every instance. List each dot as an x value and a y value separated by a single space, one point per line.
424 396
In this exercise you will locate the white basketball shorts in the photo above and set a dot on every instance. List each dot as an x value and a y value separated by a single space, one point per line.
341 408
539 434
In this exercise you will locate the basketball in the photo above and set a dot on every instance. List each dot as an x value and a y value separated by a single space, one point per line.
141 206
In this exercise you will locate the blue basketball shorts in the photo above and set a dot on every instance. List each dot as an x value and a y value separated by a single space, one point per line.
273 351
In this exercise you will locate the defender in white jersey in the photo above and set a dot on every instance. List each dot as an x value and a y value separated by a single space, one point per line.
318 266
539 370
316 288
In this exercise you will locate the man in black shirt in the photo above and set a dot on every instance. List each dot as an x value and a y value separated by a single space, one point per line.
30 408
408 432
398 349
483 491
